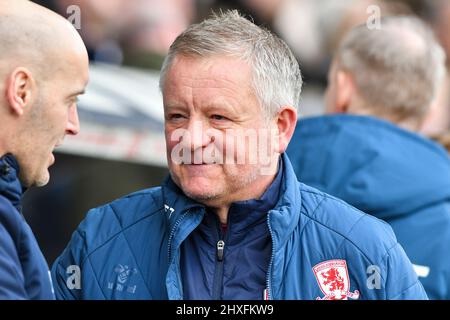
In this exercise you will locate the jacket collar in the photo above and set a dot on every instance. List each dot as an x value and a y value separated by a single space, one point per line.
283 218
242 215
176 203
184 215
10 186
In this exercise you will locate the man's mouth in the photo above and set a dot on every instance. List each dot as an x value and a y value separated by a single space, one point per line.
52 158
198 164
58 145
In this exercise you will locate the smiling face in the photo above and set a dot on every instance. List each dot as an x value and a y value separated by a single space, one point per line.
209 105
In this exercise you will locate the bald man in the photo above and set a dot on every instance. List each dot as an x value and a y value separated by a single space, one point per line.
43 68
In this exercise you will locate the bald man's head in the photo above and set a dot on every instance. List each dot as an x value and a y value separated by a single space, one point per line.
43 68
30 34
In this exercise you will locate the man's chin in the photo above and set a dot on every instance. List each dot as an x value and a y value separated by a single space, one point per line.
199 189
41 183
42 180
202 196
31 177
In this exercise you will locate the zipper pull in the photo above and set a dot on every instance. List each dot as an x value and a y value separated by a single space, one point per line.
220 248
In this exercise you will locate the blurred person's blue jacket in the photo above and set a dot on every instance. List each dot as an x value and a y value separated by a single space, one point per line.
390 173
24 273
130 249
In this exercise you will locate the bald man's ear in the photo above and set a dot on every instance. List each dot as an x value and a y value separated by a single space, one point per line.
20 87
286 122
345 89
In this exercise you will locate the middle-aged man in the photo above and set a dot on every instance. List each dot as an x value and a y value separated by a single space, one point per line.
384 81
232 221
43 67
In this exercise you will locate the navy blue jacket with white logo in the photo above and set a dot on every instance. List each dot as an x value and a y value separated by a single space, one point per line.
24 273
320 248
390 173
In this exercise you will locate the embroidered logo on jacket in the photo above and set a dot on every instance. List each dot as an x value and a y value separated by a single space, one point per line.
124 273
167 208
332 277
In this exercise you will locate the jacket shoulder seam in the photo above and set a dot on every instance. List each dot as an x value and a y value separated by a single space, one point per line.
388 254
122 229
129 247
96 279
398 295
345 238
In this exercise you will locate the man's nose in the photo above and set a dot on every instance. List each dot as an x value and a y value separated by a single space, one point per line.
73 123
198 137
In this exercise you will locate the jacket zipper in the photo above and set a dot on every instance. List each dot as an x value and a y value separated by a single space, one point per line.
220 248
218 274
269 270
172 232
169 247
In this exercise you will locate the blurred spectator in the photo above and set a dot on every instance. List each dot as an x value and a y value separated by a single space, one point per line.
440 20
383 83
437 14
137 32
313 29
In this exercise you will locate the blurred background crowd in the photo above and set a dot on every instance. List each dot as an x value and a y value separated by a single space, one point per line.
121 145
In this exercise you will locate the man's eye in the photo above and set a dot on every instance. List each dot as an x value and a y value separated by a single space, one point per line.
218 117
73 102
176 116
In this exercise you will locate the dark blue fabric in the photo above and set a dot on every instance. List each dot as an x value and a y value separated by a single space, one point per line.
24 273
388 172
130 248
246 256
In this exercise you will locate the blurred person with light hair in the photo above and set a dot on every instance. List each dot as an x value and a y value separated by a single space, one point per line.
367 151
233 229
437 122
43 68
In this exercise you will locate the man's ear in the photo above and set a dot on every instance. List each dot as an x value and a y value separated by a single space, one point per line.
286 122
345 89
20 87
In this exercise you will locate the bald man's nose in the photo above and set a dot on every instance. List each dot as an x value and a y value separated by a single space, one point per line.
73 123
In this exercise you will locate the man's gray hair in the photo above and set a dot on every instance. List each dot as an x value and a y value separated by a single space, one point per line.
397 69
277 78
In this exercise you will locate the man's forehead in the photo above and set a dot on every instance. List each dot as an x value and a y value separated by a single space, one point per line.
214 71
212 64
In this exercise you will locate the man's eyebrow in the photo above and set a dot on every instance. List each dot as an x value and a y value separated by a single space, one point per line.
174 104
78 93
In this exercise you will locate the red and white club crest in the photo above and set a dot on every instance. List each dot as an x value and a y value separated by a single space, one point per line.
332 277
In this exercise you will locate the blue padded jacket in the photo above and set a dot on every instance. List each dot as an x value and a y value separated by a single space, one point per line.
321 248
24 272
390 173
